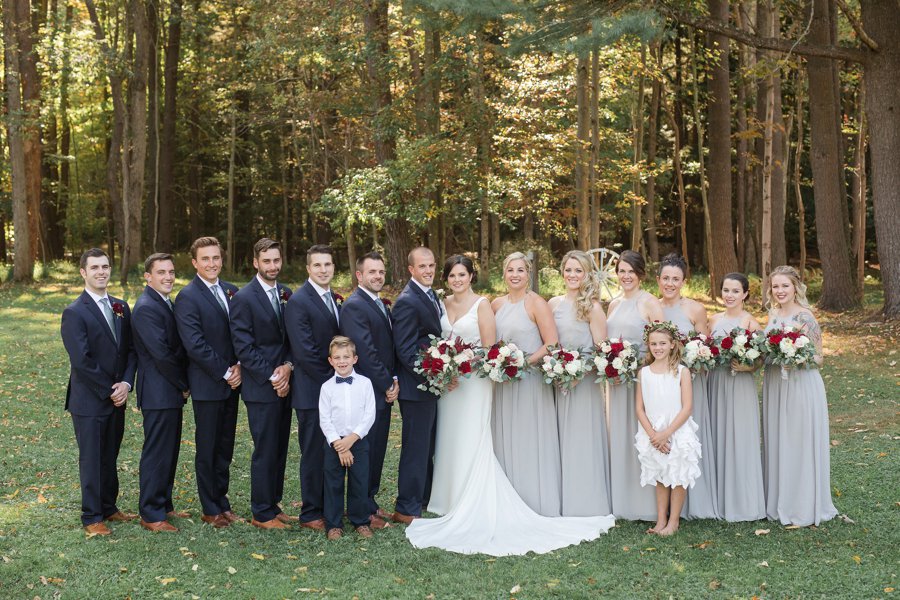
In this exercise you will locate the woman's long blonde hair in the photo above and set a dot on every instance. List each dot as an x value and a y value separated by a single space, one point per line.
670 330
799 287
589 292
518 256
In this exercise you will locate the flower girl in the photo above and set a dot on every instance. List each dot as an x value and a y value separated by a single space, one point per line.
666 441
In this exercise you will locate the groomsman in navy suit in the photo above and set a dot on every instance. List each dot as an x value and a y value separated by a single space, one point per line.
366 319
312 320
96 332
214 377
417 314
162 390
261 346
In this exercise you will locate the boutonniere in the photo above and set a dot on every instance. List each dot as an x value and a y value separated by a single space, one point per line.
338 299
440 294
229 293
387 303
285 296
118 309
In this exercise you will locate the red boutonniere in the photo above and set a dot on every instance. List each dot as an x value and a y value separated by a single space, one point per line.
229 293
387 303
338 299
285 296
118 309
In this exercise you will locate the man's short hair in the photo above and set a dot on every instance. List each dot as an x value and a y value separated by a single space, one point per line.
92 253
203 242
412 253
156 257
373 255
319 249
265 244
340 342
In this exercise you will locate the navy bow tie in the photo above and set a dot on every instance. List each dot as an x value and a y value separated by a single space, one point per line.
340 379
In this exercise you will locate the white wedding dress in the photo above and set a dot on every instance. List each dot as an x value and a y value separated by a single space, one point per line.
481 511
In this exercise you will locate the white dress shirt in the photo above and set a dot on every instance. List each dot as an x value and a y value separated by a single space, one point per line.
330 304
97 298
346 408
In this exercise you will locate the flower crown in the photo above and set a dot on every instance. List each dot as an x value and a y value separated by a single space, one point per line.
662 326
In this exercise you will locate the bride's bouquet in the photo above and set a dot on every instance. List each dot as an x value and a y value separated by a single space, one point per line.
788 347
564 368
700 352
503 361
739 346
616 361
442 361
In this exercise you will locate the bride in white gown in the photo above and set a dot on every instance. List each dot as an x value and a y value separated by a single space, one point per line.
481 511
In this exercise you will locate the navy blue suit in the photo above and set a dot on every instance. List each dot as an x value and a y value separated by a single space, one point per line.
206 335
415 318
364 323
310 327
98 360
162 381
261 345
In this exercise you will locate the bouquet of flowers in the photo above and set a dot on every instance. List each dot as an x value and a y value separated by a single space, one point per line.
700 352
616 361
564 368
503 361
442 361
788 347
739 346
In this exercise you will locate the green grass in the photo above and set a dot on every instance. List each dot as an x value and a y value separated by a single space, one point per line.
44 553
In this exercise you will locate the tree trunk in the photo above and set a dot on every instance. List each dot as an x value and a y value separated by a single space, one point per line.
229 238
679 180
838 289
652 135
152 175
582 154
168 143
722 257
798 154
483 141
881 20
637 131
859 196
31 126
768 184
595 156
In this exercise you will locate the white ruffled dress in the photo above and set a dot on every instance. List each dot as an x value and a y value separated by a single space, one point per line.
662 403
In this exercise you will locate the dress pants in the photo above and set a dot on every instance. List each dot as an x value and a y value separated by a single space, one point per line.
378 439
270 428
159 460
416 455
311 438
99 439
216 421
357 486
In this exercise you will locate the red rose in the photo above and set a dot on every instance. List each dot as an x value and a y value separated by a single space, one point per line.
437 365
386 302
465 368
611 371
511 371
775 339
617 347
118 309
494 352
714 350
727 343
567 357
285 296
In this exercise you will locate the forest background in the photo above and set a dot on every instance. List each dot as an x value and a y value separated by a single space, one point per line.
742 134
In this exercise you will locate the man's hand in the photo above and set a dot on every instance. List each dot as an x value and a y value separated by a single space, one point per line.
235 380
119 393
281 380
392 393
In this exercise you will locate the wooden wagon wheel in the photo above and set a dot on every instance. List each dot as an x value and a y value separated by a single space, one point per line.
606 261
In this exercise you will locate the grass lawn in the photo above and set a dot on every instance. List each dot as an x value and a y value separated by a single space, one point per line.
44 553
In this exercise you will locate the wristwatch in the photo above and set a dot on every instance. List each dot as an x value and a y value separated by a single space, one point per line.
289 364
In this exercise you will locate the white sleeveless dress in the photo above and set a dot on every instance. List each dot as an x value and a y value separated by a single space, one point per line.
481 511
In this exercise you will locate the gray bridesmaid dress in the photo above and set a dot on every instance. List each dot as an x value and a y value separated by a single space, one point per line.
630 501
734 415
583 441
702 500
526 440
796 444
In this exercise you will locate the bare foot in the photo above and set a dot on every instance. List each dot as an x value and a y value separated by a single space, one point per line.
669 529
660 525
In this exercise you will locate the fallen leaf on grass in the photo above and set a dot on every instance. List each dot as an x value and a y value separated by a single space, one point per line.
123 569
321 553
764 563
232 570
515 589
835 442
888 590
291 557
714 584
792 527
7 559
49 580
168 580
309 590
857 559
43 500
846 519
762 531
703 545
258 556
195 567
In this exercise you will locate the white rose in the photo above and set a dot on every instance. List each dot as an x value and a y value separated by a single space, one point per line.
435 353
505 351
618 363
704 352
558 368
801 341
787 348
573 367
605 347
740 340
601 362
574 354
547 367
752 354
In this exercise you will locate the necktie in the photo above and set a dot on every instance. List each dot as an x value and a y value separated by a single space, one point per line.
383 308
108 313
276 306
217 293
169 304
437 305
348 380
329 302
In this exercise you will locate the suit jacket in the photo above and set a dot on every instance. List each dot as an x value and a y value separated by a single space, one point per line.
259 340
364 323
162 362
97 360
415 318
310 327
206 336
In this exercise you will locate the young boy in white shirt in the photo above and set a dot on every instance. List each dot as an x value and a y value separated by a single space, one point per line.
346 413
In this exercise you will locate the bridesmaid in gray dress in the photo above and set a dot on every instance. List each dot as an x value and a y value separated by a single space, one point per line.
734 415
689 315
526 440
626 318
581 411
796 460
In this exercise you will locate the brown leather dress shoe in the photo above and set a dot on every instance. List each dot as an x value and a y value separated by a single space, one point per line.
364 530
318 524
273 524
334 533
286 518
158 526
217 521
180 514
383 514
233 518
376 522
401 518
121 516
96 529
